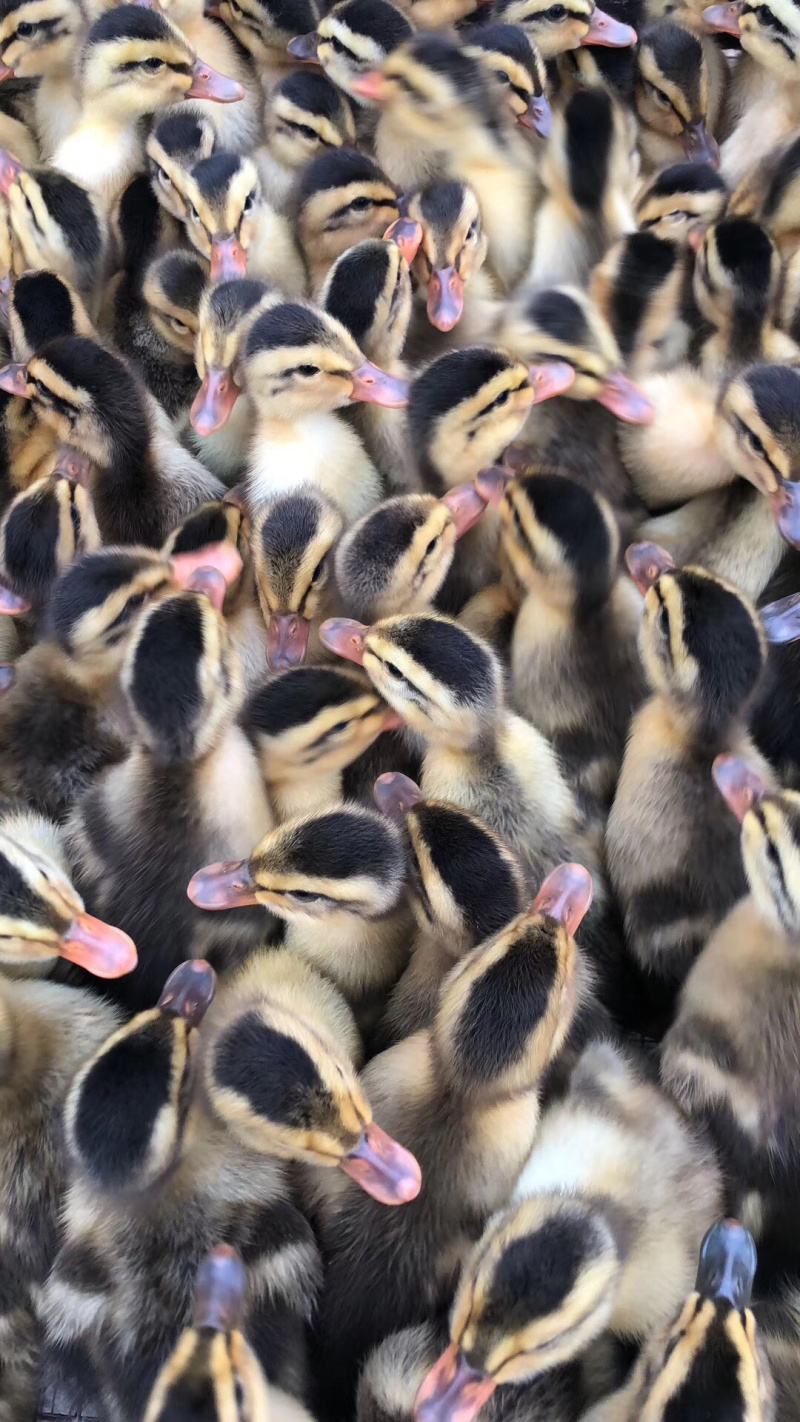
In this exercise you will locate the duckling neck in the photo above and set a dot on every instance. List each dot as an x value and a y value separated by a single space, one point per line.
302 791
700 724
102 152
125 494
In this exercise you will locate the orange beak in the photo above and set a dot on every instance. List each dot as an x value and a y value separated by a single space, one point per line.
371 85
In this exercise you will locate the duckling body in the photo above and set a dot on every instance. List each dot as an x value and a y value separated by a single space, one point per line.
43 42
221 416
736 277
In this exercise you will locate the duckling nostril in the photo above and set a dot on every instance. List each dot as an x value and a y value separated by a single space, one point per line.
383 1168
538 116
207 83
287 641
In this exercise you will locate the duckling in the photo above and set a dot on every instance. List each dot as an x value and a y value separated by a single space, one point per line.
45 529
16 137
43 305
516 62
354 37
143 481
445 116
158 1179
762 107
144 826
221 421
449 267
643 289
768 193
178 139
678 107
155 323
588 178
237 126
265 29
368 289
293 536
704 651
133 62
736 276
307 726
40 39
562 328
336 877
712 1356
559 28
305 115
233 226
680 201
54 223
587 1231
342 197
473 1079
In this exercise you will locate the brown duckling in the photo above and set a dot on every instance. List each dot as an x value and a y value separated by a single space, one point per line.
236 229
342 198
681 201
354 37
678 108
736 277
305 115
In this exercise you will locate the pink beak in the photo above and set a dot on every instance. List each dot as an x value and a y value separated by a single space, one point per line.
625 400
646 562
466 505
14 380
96 946
305 47
724 18
11 605
406 233
345 637
287 641
384 1169
228 259
72 463
189 991
550 378
699 145
445 298
492 483
214 402
603 30
5 72
223 886
371 85
566 895
220 557
781 619
10 166
739 782
377 387
538 116
395 795
452 1391
785 505
207 83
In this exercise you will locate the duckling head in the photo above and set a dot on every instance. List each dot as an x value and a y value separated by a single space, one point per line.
223 197
516 63
213 1371
39 37
43 918
770 821
173 287
467 405
126 1109
44 529
305 115
342 197
736 276
177 141
681 201
769 30
221 521
317 719
134 62
293 535
562 325
453 247
564 26
55 222
559 540
758 430
224 316
671 92
433 87
43 305
353 39
701 641
368 289
265 27
465 882
445 683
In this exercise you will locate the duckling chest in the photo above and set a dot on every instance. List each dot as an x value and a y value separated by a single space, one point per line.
320 450
771 112
103 157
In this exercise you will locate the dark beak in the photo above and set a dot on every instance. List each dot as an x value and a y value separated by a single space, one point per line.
727 1264
221 1289
395 795
781 618
189 991
305 47
699 145
724 18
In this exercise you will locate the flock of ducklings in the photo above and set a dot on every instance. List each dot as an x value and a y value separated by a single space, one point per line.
400 710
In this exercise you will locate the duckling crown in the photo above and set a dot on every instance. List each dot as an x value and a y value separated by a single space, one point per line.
134 22
467 83
708 639
686 178
80 367
449 655
374 19
712 1351
441 203
209 524
73 211
451 380
287 324
678 57
477 871
314 94
336 169
215 174
42 302
775 390
572 515
368 554
297 697
289 17
181 278
101 593
184 136
563 317
228 302
336 846
771 855
589 137
746 253
40 533
358 281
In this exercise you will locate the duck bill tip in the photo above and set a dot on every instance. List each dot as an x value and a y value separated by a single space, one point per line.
608 33
100 949
405 233
700 146
213 404
383 1168
625 400
223 886
550 378
445 298
189 991
378 387
724 19
14 380
466 504
646 562
12 605
208 83
10 168
395 794
220 1291
740 784
785 505
538 116
305 47
211 584
452 1391
287 641
345 637
727 1265
566 895
781 619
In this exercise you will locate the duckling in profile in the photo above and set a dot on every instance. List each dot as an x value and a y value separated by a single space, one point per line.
557 29
354 37
736 277
237 126
178 139
221 417
704 651
516 62
155 324
678 110
769 192
474 1079
133 62
39 39
233 226
292 540
264 28
642 288
681 201
305 114
636 1191
762 107
54 223
342 198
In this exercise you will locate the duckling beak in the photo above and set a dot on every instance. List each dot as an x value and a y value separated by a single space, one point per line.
72 463
550 378
221 1290
220 557
189 991
384 1169
102 950
371 85
228 259
8 676
781 619
305 47
492 483
378 387
466 504
214 402
223 886
406 233
211 583
727 1265
207 83
646 562
14 380
724 18
445 298
566 895
345 637
538 116
11 604
699 145
452 1391
739 782
5 72
604 30
785 504
395 795
625 400
10 166
287 641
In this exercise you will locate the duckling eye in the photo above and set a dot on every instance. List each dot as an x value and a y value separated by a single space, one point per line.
304 896
152 65
247 205
340 726
306 130
473 231
317 573
755 443
194 214
433 544
306 370
164 178
360 204
658 96
25 30
394 671
179 326
556 12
